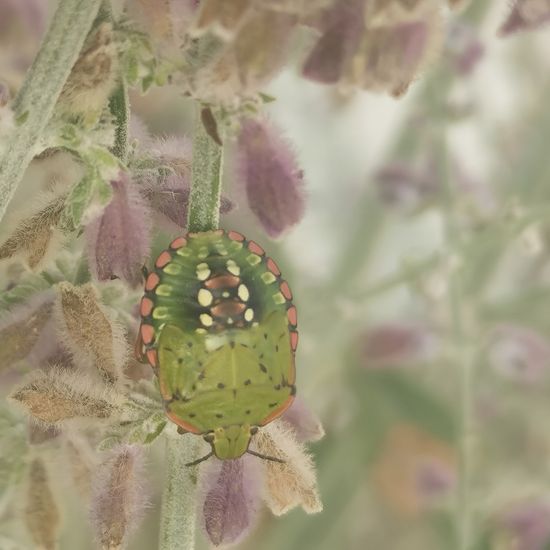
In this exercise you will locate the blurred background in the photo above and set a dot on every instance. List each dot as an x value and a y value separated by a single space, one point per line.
421 275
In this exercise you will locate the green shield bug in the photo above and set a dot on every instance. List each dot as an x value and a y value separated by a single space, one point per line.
218 326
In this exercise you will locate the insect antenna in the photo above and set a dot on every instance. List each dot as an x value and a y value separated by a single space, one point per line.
265 457
199 460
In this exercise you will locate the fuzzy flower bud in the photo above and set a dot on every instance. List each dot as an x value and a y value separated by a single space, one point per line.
231 498
57 395
306 424
292 483
93 76
22 328
272 178
119 239
41 512
34 237
89 332
526 15
118 499
528 523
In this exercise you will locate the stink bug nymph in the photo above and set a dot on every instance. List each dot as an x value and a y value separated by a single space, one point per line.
219 329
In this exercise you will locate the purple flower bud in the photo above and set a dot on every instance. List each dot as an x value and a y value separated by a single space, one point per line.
272 178
342 28
307 426
4 94
397 344
528 523
526 15
519 353
464 48
119 239
118 499
231 498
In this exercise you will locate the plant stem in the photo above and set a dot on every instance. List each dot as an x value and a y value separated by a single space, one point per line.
178 516
35 103
206 180
177 529
119 106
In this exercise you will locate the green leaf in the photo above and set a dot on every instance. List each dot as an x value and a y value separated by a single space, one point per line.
78 200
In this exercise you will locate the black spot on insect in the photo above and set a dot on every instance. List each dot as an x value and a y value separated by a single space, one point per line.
276 348
293 390
265 335
192 415
180 360
219 415
244 346
166 348
189 344
263 368
199 363
247 411
247 382
261 355
271 405
194 387
221 385
234 392
232 345
277 387
202 376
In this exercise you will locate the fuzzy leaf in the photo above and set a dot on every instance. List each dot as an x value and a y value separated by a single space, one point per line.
119 239
231 499
118 499
89 332
273 180
290 484
58 395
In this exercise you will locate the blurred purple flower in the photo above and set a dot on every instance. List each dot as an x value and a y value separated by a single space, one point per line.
32 13
119 240
307 426
342 27
397 344
272 178
434 478
464 47
400 183
118 499
529 524
231 499
4 94
526 15
519 353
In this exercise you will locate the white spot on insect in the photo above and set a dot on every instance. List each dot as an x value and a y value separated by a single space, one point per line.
221 249
172 268
203 272
233 268
225 294
249 314
163 290
206 320
253 259
243 293
268 277
204 297
200 331
203 252
278 298
161 312
229 321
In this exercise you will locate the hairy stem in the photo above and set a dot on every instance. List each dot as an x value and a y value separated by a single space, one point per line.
206 180
35 103
119 106
178 519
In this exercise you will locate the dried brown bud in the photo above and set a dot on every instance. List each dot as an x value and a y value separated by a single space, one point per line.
35 237
93 77
89 331
58 395
41 512
290 484
118 499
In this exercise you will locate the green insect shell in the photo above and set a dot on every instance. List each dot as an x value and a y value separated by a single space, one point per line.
219 328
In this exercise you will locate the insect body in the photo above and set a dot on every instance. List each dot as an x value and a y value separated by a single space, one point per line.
219 329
